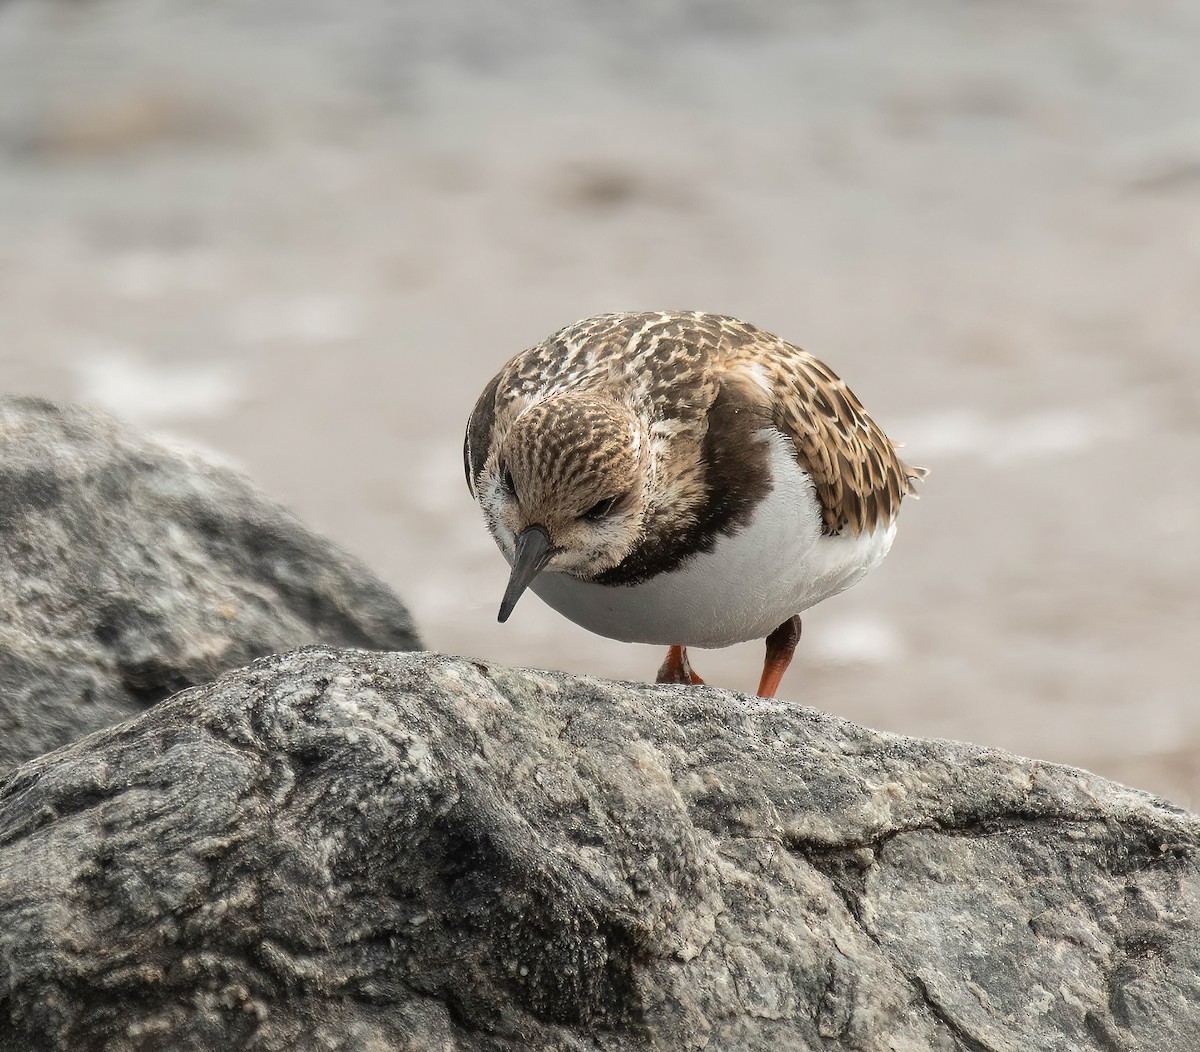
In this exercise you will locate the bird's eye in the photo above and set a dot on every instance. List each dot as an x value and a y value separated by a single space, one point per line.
600 509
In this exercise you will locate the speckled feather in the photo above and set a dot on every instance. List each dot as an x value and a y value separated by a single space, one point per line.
700 379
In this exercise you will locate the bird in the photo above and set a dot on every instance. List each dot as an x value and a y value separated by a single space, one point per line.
683 479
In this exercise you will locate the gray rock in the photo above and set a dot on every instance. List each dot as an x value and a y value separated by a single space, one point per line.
129 570
339 849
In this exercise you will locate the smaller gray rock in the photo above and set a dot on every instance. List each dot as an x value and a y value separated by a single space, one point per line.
130 570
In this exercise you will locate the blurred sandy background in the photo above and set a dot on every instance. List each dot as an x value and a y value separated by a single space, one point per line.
304 234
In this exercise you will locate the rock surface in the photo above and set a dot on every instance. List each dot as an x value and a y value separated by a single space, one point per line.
340 849
130 570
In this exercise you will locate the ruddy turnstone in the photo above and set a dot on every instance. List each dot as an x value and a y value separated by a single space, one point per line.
684 479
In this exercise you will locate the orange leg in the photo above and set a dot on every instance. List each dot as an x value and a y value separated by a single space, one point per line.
781 645
677 668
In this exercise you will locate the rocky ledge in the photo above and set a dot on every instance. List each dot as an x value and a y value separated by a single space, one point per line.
348 850
130 570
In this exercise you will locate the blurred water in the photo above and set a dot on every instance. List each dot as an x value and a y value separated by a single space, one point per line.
306 234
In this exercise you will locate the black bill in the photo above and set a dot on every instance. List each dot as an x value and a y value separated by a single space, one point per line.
533 552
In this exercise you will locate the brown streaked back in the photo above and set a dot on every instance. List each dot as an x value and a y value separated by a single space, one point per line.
860 480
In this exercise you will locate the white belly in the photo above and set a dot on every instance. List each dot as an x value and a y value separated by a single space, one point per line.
749 584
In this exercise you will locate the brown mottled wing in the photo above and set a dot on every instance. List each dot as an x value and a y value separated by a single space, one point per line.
860 481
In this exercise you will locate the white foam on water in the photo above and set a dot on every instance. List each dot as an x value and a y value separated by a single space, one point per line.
145 392
854 641
307 319
144 275
1043 435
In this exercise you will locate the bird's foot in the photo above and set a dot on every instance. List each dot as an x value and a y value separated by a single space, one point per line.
677 668
781 645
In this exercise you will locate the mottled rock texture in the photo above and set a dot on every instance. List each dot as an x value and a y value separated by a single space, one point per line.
348 850
129 570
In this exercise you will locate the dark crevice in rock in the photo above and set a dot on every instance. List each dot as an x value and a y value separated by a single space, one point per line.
61 806
149 682
1128 849
976 826
1102 1034
966 1040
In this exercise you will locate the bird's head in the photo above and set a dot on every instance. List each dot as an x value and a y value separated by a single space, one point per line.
565 489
